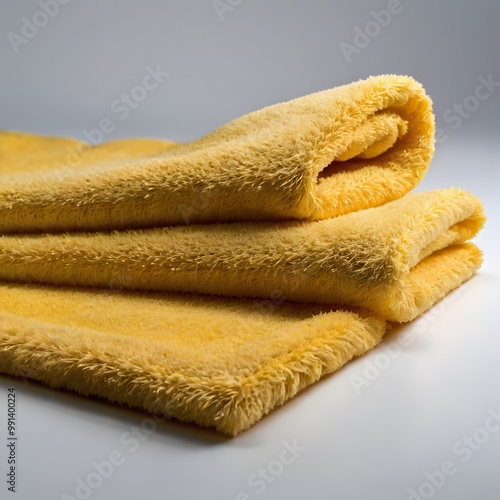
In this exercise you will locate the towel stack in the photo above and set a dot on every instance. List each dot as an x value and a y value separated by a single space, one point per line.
212 281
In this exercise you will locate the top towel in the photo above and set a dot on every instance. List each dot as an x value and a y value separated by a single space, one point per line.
322 155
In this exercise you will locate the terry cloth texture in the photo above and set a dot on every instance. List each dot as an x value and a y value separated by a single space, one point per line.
396 260
277 293
318 156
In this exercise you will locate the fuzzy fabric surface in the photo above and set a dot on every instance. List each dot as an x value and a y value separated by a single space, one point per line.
218 363
396 260
318 156
213 281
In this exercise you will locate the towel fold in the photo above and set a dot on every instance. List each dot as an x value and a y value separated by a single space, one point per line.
318 156
396 260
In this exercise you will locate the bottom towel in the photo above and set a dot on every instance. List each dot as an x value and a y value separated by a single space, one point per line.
216 362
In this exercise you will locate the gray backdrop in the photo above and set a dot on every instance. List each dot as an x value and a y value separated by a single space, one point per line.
66 65
226 61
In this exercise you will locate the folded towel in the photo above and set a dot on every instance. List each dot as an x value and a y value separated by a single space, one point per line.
216 362
226 362
294 293
396 260
319 156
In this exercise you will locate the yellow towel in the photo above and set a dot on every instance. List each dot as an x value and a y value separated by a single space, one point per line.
322 155
396 260
216 361
292 297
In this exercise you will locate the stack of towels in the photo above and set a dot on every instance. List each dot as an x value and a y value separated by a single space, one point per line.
212 281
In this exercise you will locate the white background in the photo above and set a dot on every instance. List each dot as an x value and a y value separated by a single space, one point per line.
374 441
